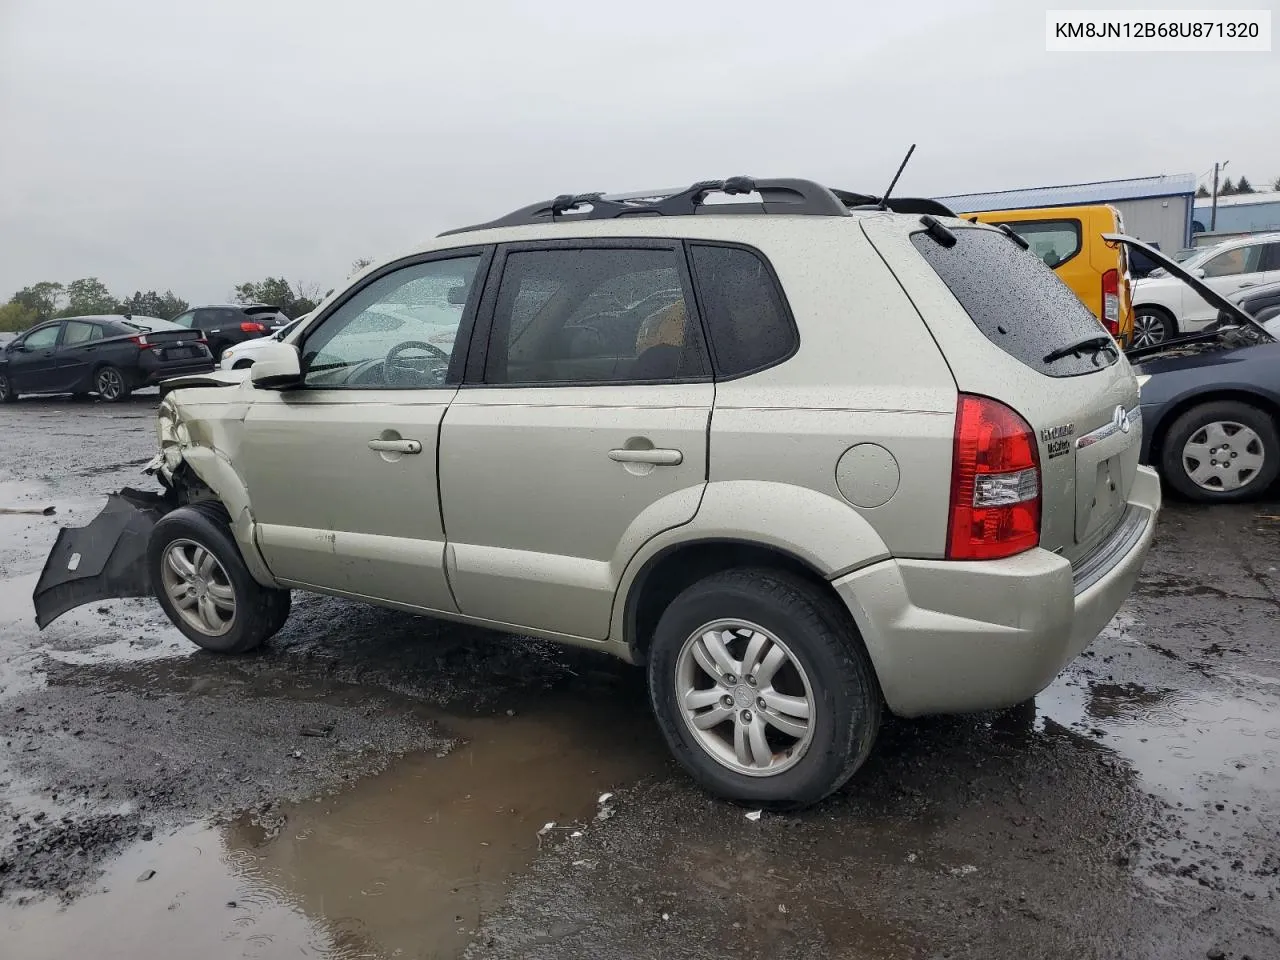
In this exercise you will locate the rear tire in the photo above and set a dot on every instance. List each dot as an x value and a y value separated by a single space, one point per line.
111 385
1221 452
819 667
205 588
7 394
1152 325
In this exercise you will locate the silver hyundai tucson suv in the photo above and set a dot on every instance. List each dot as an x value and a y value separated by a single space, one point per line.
805 457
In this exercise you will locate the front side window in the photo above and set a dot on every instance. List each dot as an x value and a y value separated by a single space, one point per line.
186 319
398 332
1053 241
43 338
747 322
1231 263
603 315
79 332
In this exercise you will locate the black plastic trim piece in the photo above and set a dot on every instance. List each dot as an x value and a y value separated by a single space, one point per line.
938 231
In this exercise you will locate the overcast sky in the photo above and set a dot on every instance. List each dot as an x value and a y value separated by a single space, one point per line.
168 144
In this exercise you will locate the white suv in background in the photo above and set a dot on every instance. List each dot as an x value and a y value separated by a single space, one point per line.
1164 306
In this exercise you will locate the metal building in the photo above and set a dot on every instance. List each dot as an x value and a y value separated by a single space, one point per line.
1238 214
1154 209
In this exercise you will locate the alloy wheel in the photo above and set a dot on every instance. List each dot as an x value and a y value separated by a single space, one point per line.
1148 330
198 587
110 384
1223 456
745 697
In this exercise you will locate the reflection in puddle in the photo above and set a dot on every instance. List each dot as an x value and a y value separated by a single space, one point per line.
1213 758
405 863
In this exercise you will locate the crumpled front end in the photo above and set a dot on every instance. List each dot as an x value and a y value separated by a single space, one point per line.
198 428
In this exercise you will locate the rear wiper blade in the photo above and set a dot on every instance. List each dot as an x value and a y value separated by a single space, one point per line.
1101 342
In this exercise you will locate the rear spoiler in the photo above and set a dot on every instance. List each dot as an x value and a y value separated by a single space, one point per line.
916 205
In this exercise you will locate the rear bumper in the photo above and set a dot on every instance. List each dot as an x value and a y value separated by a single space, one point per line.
954 637
152 373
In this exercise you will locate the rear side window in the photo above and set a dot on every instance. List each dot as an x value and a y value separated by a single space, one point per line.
79 332
1053 241
1017 302
747 321
603 315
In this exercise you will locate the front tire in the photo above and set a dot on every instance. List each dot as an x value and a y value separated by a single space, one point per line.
1152 325
242 365
1221 452
205 588
7 393
111 385
762 690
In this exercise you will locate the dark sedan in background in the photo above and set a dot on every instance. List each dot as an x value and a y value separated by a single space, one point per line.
226 324
1211 400
107 355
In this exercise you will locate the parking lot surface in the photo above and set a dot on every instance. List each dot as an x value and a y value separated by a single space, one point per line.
374 784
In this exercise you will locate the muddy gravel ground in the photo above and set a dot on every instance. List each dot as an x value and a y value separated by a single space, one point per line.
380 785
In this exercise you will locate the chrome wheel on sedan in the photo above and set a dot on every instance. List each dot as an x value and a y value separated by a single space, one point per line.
199 588
1223 456
745 697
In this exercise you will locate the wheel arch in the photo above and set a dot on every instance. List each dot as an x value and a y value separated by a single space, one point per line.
739 524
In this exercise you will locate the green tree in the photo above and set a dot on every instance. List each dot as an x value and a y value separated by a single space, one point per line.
40 298
291 300
1227 188
1276 186
358 265
1202 192
15 316
89 296
1244 186
166 306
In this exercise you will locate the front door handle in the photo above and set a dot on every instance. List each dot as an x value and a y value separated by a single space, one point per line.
1247 283
662 458
395 446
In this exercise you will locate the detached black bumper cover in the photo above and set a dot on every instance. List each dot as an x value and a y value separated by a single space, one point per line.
103 560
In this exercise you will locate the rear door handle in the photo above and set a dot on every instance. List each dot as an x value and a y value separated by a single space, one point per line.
662 458
395 446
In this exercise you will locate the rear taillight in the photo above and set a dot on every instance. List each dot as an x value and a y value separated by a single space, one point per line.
995 483
1111 301
141 341
252 326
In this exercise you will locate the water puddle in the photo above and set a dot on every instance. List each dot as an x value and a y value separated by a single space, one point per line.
1213 758
404 863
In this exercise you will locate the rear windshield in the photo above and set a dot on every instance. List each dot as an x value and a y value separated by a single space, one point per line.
1017 302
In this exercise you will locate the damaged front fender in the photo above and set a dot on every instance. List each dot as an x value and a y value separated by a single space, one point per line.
105 559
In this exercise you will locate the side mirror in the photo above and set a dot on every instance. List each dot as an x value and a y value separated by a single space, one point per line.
1198 273
278 365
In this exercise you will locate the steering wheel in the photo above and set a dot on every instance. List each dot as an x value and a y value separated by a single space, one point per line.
393 363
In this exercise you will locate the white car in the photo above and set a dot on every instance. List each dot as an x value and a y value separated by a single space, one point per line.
1164 306
240 356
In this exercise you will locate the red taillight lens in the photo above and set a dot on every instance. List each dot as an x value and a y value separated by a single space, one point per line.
1111 301
995 483
141 341
251 326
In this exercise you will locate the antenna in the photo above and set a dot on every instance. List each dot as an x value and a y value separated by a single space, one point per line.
884 201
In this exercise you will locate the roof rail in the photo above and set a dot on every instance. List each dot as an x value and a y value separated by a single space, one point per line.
787 196
917 205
